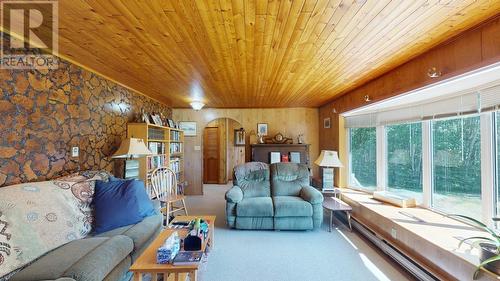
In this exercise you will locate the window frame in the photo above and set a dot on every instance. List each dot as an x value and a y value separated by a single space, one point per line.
489 162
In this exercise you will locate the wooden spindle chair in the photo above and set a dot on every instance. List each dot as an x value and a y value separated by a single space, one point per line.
166 190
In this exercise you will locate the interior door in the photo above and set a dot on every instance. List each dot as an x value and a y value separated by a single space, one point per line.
211 155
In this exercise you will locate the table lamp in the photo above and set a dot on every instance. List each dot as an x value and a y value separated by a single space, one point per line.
130 148
328 160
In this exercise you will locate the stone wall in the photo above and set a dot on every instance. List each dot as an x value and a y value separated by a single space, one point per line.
45 113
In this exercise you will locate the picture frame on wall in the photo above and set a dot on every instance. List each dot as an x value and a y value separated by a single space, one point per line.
327 123
262 129
189 128
239 137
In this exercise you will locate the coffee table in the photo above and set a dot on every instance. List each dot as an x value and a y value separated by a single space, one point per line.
334 204
146 263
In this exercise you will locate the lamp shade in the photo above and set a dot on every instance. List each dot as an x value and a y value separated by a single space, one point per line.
130 148
328 158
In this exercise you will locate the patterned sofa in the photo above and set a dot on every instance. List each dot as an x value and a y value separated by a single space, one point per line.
49 226
278 197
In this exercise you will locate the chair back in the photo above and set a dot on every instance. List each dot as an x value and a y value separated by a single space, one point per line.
287 179
253 179
164 183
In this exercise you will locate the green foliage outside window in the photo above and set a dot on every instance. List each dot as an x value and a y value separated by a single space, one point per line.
404 158
456 149
363 147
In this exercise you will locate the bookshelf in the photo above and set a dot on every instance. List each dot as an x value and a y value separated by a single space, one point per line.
167 145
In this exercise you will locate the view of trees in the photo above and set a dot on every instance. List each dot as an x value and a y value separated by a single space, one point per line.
456 162
363 157
404 157
497 122
457 156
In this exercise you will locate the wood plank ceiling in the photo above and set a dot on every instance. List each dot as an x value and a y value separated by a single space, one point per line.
262 53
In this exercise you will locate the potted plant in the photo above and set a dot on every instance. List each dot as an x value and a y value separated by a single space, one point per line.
489 246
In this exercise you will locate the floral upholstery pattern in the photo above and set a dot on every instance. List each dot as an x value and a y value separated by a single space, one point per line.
40 216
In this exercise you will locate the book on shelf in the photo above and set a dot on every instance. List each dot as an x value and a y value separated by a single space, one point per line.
175 164
175 148
156 161
188 257
157 147
175 136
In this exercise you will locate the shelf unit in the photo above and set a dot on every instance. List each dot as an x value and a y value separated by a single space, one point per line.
167 145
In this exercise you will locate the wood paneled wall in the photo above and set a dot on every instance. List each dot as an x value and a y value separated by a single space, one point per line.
470 50
475 48
289 121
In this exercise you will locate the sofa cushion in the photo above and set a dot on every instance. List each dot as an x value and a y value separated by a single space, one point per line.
84 259
140 233
287 179
291 206
41 216
115 205
255 207
253 179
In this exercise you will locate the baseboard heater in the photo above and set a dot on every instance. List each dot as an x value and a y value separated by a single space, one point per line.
412 267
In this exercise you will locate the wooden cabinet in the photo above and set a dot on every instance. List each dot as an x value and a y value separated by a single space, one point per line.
262 152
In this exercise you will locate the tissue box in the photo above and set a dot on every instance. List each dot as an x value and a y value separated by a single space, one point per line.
169 249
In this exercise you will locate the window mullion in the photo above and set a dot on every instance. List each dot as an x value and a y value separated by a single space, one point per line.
381 158
487 168
427 164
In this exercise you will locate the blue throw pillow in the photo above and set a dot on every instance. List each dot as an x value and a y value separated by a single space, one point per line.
115 205
146 207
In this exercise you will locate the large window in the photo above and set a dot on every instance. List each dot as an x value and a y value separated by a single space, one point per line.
404 159
497 158
456 164
363 147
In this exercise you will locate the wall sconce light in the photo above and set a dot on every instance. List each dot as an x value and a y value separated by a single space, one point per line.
367 98
334 110
197 105
433 72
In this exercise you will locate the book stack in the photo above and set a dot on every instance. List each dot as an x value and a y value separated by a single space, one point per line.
156 161
157 147
188 257
175 148
175 136
175 164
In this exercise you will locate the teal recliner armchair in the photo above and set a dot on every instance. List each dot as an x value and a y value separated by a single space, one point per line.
278 197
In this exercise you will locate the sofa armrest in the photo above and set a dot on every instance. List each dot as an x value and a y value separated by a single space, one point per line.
311 195
234 195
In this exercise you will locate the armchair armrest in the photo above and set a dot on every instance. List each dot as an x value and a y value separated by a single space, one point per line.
234 195
311 195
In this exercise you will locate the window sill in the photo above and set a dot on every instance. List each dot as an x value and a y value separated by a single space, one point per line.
429 238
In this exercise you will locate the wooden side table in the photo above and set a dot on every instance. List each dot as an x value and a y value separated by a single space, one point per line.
334 204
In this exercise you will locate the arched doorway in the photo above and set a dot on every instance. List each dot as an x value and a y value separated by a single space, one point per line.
223 148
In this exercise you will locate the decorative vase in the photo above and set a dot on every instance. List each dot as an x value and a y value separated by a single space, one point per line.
488 251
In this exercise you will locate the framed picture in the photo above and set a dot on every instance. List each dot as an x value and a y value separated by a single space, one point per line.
327 123
156 119
262 129
239 137
189 128
274 157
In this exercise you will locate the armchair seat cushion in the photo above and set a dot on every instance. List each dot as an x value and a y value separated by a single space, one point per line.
291 206
255 207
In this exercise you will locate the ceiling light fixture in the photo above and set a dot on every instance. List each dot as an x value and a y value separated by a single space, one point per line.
433 72
197 105
367 98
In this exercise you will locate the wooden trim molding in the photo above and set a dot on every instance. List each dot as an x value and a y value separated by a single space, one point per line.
472 49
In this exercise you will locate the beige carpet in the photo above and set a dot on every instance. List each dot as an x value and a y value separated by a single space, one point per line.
287 255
